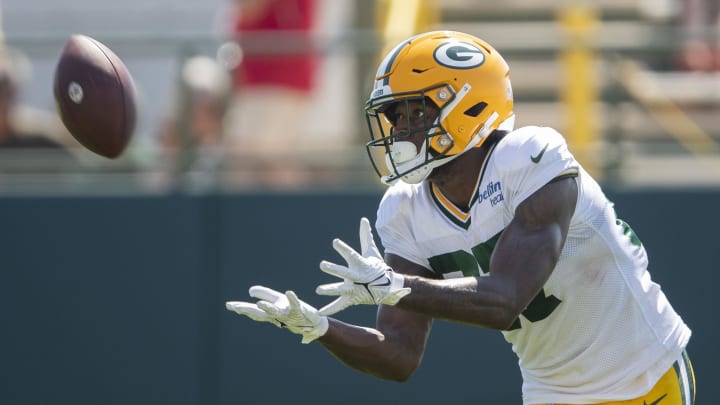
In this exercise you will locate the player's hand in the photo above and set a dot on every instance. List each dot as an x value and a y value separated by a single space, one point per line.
284 311
366 278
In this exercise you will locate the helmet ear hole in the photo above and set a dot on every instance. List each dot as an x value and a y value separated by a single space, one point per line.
475 110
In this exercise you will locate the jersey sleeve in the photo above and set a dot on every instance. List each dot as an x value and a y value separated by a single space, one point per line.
531 158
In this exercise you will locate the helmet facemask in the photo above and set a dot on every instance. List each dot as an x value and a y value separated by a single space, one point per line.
393 155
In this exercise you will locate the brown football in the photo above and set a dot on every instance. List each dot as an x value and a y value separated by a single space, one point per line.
95 96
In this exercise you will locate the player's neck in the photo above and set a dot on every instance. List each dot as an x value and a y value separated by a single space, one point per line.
457 179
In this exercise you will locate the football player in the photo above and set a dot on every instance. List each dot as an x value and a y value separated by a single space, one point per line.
494 227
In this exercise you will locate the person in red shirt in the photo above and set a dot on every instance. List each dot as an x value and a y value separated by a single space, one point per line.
272 84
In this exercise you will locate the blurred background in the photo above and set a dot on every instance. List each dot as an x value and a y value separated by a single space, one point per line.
249 158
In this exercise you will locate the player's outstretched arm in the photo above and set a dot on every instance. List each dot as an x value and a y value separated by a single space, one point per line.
392 354
394 348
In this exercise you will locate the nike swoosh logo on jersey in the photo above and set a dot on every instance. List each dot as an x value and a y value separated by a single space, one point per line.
536 159
655 402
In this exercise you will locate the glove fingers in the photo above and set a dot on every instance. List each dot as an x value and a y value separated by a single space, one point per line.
270 310
264 293
293 300
349 254
367 240
334 307
252 311
308 311
365 235
333 288
336 270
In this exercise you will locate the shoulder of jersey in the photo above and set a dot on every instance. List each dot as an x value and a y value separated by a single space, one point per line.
396 203
526 146
399 193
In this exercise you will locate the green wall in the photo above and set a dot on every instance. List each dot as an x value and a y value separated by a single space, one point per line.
120 300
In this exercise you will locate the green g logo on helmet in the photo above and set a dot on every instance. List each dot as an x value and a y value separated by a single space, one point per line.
459 55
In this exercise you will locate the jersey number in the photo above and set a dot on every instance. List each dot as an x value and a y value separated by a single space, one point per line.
470 265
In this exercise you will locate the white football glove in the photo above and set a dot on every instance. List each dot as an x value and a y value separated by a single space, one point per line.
367 279
283 311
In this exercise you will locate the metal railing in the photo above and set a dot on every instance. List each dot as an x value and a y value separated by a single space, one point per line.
638 119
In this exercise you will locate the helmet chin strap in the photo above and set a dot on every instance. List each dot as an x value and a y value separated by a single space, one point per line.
406 156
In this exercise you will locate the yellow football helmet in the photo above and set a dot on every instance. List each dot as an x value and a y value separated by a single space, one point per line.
463 76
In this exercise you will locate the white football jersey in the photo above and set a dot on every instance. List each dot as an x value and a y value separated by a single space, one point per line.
600 329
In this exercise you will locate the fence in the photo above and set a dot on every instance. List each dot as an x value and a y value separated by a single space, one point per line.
653 128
